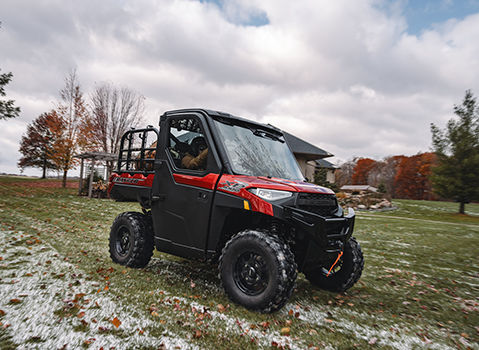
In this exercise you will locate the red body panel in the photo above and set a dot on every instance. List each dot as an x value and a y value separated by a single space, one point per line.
208 181
237 185
127 179
273 184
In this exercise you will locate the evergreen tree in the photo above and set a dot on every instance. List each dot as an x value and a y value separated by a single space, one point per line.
457 148
7 107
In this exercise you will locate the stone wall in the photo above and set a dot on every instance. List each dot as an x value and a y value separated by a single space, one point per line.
365 200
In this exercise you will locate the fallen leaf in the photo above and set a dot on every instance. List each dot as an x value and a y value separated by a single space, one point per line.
2 313
116 322
264 324
89 341
15 301
285 331
197 334
220 308
373 341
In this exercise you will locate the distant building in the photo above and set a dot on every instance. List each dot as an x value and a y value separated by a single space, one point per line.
310 158
358 188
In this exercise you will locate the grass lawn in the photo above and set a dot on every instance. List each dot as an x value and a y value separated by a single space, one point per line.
59 288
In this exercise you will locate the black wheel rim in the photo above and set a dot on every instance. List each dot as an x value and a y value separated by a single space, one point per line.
251 273
122 243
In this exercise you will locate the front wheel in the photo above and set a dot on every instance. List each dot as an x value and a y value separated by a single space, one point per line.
257 270
131 240
345 273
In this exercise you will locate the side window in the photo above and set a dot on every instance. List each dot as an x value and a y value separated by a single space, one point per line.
187 144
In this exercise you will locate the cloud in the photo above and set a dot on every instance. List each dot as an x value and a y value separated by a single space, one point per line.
343 75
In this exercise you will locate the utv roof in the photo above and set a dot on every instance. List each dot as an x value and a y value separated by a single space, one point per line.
224 115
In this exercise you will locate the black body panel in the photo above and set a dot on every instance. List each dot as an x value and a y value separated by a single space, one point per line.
181 213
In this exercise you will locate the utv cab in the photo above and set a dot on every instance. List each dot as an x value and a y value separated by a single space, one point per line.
228 190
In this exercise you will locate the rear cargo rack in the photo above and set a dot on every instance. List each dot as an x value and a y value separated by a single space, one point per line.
137 155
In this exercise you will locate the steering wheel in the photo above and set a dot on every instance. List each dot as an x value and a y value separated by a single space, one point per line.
198 145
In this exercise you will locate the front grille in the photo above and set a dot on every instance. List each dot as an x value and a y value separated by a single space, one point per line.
318 203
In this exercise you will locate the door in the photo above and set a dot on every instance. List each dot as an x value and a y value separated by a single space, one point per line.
186 172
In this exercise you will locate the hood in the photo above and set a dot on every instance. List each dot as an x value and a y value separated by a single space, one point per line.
271 183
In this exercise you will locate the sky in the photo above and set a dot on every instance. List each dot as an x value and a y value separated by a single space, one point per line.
356 78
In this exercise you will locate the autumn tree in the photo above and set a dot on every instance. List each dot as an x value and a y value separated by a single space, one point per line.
114 111
457 148
37 145
70 114
383 173
412 179
361 171
7 107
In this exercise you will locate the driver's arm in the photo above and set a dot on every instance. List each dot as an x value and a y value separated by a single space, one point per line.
194 163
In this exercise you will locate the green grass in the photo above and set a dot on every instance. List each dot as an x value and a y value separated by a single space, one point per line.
419 288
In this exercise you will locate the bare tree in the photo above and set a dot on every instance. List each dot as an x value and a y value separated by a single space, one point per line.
345 173
69 115
114 111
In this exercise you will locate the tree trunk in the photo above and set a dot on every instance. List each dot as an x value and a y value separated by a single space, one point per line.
64 182
44 168
461 207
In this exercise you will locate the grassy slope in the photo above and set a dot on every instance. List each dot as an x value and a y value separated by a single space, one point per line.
419 286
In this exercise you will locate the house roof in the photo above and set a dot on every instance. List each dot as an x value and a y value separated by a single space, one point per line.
299 146
359 188
323 163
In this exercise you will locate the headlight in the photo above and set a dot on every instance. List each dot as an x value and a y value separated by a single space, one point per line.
270 195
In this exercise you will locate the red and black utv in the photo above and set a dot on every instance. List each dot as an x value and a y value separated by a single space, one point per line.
216 187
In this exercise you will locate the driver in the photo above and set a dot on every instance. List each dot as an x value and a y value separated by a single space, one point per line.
196 160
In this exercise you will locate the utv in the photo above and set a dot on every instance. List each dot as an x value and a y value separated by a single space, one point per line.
224 189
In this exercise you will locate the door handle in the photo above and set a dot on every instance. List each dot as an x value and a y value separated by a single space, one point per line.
202 196
158 198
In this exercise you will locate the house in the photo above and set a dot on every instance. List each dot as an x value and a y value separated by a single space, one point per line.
310 158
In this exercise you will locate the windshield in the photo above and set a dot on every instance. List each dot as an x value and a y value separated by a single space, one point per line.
257 152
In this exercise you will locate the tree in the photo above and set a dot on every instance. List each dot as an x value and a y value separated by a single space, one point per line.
37 145
7 107
361 171
384 173
413 176
344 173
70 114
113 112
457 148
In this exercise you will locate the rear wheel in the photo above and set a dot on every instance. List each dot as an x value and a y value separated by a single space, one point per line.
344 274
257 270
131 239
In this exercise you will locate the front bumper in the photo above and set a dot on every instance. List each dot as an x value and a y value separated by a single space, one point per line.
328 233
